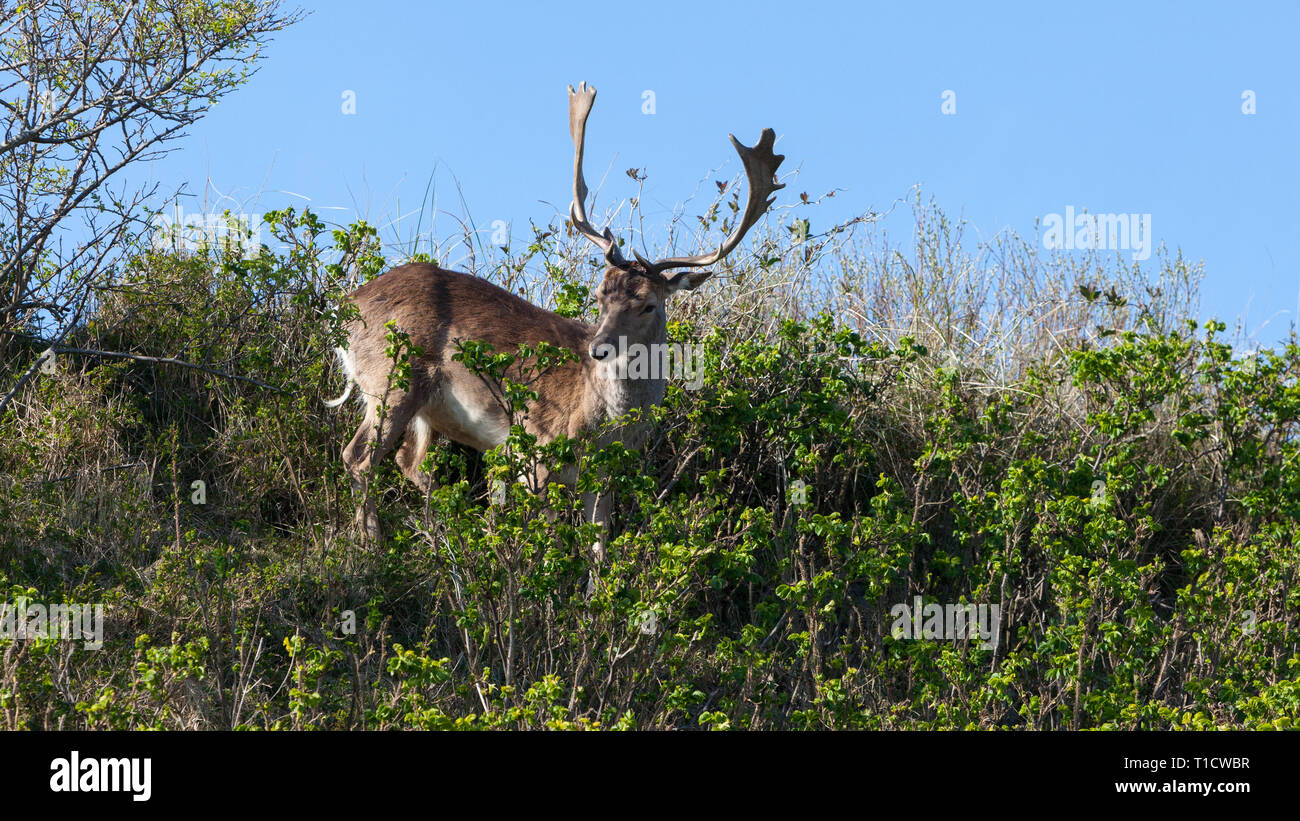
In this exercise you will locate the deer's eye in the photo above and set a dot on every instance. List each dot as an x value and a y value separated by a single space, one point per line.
647 309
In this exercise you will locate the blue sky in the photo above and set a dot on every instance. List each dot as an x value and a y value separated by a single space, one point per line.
1112 107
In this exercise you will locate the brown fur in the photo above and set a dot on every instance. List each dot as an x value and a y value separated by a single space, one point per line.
436 308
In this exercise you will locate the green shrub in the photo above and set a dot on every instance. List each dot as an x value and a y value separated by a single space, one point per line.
869 428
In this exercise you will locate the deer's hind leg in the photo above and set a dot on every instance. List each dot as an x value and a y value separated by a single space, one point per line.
373 441
415 445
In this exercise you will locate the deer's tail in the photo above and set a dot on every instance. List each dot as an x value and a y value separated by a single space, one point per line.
351 377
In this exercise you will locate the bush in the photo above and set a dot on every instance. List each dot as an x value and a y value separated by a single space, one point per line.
1048 435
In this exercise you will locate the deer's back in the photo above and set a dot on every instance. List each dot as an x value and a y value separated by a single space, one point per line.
437 308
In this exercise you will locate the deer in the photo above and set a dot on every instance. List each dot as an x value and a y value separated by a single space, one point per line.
438 309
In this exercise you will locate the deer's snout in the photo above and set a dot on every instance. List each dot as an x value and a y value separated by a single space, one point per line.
601 351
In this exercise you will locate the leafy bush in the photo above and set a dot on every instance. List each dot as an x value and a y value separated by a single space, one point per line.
869 427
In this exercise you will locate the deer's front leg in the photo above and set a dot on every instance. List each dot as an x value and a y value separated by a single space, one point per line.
596 509
595 506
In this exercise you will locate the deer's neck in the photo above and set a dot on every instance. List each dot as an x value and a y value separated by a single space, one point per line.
635 377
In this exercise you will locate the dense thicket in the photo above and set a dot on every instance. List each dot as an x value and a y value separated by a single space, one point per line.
976 424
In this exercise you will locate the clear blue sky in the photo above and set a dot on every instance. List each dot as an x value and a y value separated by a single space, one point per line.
1113 107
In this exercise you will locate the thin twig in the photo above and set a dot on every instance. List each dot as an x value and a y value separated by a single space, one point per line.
165 360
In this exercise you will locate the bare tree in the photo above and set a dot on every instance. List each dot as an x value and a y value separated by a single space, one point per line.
88 87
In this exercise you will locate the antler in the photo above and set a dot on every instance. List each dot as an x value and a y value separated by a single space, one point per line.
580 103
760 170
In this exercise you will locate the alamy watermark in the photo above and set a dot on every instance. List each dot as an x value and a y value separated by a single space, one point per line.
126 775
947 621
25 619
658 360
179 231
1087 232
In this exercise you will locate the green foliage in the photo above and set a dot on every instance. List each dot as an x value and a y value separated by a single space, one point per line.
1129 498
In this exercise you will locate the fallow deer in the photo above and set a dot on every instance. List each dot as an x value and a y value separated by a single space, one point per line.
438 308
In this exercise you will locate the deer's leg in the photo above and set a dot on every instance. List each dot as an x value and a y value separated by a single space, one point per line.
595 506
354 451
596 509
368 448
537 482
543 475
415 445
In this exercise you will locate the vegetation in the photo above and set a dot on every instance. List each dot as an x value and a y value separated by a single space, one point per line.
89 88
977 423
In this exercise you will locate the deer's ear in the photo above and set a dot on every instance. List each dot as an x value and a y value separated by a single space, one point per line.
687 280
